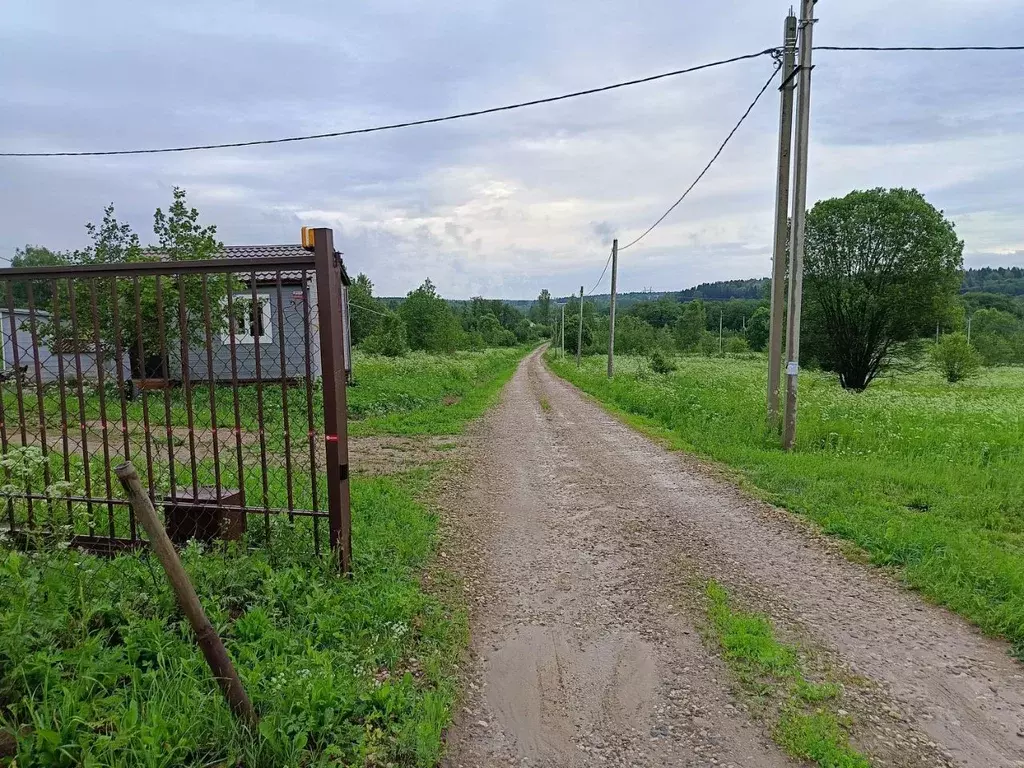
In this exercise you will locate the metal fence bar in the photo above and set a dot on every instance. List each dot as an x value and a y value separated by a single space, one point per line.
40 399
165 268
58 334
214 434
284 395
164 363
256 331
143 373
19 388
232 340
102 392
91 323
307 308
187 385
4 443
83 427
115 315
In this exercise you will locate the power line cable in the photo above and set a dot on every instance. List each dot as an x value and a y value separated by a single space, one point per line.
367 309
707 167
393 126
919 48
603 271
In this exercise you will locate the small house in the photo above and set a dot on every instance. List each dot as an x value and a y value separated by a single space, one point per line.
268 333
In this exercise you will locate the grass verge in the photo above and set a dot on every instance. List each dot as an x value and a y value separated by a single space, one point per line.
97 664
925 477
803 713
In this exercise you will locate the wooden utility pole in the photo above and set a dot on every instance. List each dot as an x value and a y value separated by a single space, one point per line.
611 310
579 336
796 247
778 300
206 636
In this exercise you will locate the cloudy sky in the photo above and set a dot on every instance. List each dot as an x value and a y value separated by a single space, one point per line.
501 205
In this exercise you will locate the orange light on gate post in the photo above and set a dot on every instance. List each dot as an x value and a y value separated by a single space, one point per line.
308 239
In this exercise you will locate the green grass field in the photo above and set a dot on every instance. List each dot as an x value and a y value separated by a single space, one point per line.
924 476
98 667
415 394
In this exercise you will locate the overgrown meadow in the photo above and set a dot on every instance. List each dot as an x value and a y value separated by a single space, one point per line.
98 666
924 476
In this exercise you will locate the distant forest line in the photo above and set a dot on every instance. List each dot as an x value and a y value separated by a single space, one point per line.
1008 281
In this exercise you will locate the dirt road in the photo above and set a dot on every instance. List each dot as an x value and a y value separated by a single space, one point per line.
580 541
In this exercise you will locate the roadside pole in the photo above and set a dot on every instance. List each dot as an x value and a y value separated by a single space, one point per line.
721 349
611 310
778 299
796 249
562 328
579 336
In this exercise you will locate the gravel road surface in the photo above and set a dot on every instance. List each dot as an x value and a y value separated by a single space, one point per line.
581 542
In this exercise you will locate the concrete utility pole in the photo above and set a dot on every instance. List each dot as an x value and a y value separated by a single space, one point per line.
611 310
796 247
579 337
781 218
721 349
968 329
562 328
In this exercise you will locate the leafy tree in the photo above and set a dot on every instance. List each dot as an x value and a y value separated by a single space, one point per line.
364 308
591 331
955 359
493 334
633 336
758 328
691 325
661 313
179 237
525 331
42 290
994 321
540 312
430 324
882 266
388 337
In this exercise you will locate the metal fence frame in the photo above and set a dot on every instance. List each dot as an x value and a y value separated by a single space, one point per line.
322 283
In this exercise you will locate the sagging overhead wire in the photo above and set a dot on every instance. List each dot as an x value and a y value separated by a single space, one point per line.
367 309
603 271
746 114
394 126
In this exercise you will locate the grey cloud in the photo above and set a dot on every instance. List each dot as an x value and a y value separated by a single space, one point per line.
504 204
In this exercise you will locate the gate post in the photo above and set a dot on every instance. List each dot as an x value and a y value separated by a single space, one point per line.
332 357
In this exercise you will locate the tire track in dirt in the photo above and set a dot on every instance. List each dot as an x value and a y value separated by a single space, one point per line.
582 656
577 659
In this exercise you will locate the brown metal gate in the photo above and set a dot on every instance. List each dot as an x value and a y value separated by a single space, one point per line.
222 380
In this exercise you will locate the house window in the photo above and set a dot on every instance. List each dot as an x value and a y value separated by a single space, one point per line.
250 319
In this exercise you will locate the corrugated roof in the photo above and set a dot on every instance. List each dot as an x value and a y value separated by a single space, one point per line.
255 251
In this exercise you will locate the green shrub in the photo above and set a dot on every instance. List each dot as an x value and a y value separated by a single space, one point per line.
736 345
388 338
955 359
662 363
